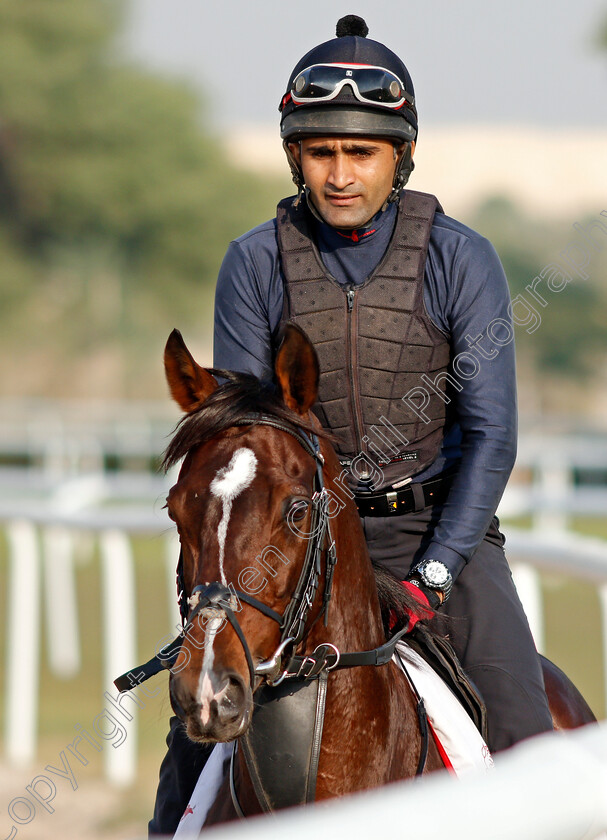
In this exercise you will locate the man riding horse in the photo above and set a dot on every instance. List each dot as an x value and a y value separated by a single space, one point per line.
409 312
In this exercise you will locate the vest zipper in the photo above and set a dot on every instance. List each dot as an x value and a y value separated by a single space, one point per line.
352 361
300 262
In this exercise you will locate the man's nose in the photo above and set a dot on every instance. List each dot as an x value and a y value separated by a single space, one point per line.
341 172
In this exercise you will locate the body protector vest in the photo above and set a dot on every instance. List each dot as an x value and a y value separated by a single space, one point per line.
375 342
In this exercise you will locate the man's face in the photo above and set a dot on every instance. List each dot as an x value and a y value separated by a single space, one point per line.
349 178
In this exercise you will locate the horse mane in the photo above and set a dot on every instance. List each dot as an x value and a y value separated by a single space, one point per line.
395 602
241 397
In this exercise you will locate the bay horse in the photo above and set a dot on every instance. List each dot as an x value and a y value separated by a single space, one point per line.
276 584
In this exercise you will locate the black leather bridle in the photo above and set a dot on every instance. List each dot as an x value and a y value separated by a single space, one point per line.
221 598
295 617
293 621
284 663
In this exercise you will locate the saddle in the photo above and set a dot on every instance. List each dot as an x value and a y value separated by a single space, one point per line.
282 744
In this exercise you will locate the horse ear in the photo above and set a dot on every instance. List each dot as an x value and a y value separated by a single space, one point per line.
189 383
297 370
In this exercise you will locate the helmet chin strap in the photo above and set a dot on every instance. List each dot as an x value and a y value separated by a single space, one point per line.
312 206
404 168
296 173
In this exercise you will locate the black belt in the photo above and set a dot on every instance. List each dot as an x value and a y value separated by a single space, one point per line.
415 496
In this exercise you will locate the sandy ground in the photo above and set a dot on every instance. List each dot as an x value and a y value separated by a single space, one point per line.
89 813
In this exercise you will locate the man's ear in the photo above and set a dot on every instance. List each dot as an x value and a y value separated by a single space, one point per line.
399 151
295 149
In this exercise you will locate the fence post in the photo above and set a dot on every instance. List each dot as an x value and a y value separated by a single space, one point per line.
528 586
63 643
120 649
23 643
172 548
553 485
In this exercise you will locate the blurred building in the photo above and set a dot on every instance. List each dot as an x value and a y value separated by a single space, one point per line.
544 171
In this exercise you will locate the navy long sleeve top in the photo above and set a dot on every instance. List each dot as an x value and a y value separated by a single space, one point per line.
466 296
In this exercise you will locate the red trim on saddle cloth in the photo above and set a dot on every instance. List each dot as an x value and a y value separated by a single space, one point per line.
441 751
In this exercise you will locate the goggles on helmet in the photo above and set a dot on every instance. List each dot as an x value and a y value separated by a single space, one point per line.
372 85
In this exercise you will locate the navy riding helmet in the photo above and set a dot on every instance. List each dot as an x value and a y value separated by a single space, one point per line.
349 85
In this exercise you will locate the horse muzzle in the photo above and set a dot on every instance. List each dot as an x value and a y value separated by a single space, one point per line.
221 711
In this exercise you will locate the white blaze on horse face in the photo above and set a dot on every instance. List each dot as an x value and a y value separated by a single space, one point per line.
206 690
229 482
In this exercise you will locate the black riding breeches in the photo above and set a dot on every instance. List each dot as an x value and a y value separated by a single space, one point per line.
179 772
484 620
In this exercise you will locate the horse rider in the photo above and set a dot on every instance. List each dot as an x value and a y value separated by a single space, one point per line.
410 314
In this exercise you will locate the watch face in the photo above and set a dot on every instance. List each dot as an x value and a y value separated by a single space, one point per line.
436 573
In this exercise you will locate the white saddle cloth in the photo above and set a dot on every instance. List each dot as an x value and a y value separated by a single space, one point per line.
458 736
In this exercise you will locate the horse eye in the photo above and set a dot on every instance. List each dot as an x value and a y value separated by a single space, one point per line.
298 510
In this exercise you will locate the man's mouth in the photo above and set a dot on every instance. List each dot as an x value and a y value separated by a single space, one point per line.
341 199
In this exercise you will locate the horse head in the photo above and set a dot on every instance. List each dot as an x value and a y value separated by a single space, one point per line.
246 505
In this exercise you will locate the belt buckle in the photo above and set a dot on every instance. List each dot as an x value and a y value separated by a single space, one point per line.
392 499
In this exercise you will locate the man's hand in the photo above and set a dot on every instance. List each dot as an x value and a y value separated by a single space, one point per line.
424 610
431 598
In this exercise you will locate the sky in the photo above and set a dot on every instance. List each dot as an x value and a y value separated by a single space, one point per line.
472 61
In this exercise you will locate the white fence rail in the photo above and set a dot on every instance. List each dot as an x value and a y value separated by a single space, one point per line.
37 564
42 560
47 505
550 788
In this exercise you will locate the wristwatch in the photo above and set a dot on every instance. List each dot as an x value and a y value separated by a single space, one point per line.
435 575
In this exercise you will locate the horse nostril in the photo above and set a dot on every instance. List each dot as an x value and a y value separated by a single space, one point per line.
231 700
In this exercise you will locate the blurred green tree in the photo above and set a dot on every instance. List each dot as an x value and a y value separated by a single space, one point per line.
571 341
602 34
116 204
